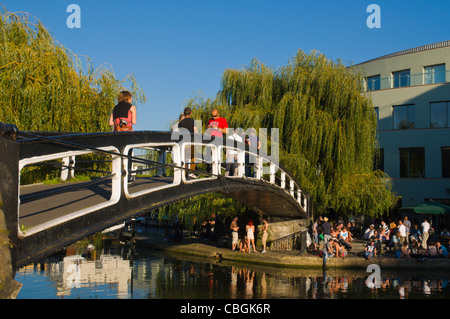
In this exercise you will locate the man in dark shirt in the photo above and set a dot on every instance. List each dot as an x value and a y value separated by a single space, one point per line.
189 124
326 226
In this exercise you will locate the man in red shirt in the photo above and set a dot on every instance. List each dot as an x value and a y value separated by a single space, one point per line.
217 125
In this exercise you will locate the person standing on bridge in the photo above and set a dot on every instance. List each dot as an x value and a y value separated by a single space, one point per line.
187 123
216 124
123 116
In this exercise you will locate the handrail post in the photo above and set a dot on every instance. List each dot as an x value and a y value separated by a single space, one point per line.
68 171
272 173
283 179
291 187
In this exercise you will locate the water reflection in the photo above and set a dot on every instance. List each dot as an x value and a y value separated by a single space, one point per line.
150 275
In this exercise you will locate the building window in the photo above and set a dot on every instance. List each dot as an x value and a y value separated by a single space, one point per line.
445 151
373 83
378 162
404 117
434 74
401 78
439 114
412 162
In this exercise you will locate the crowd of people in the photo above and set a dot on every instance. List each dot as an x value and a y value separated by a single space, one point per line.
401 237
246 243
335 239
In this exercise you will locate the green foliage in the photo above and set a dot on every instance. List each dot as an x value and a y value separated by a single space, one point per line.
201 208
44 87
327 128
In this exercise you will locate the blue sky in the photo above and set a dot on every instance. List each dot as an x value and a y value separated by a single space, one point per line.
179 49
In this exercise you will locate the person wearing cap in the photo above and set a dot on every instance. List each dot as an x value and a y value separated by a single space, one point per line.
326 226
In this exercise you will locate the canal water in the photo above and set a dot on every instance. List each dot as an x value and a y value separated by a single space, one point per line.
136 273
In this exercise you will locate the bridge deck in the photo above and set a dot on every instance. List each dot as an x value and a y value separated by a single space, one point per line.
40 210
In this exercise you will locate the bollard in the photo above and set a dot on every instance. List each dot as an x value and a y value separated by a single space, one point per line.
9 131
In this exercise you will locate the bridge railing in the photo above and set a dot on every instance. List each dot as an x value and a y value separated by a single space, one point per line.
159 162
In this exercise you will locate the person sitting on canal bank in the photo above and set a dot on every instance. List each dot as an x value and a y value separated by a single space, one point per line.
327 250
384 234
415 233
370 250
345 238
393 228
445 232
243 245
405 252
234 234
339 249
414 246
431 251
441 250
394 243
376 240
369 232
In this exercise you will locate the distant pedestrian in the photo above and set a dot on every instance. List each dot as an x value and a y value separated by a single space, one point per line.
250 228
265 229
315 232
402 230
234 233
425 228
407 224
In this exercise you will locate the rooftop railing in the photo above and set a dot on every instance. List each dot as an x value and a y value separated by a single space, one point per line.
401 80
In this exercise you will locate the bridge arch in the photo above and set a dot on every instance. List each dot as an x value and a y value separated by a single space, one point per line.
44 218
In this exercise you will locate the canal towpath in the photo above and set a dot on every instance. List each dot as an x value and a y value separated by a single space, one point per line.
289 258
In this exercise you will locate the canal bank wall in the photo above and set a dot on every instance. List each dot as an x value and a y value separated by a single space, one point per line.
293 258
9 288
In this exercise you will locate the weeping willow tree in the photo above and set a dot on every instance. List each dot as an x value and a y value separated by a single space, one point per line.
44 85
327 128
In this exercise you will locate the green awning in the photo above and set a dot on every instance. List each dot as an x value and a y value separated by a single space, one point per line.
430 207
